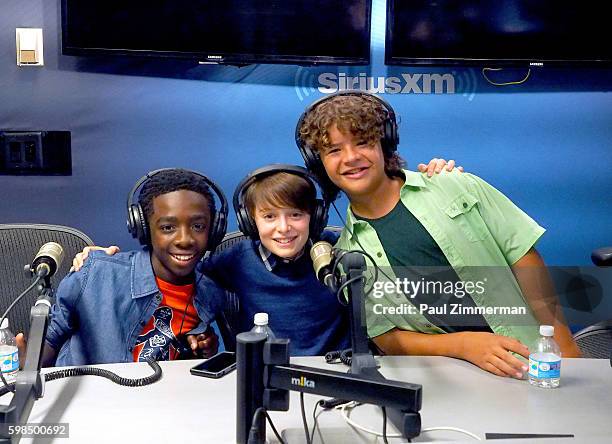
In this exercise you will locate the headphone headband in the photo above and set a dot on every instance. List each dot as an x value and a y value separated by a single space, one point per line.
269 170
349 92
139 228
246 224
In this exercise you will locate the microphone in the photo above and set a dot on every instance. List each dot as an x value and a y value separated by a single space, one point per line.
47 260
322 257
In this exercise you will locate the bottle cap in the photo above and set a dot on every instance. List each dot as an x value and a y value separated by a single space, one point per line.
261 318
547 330
5 324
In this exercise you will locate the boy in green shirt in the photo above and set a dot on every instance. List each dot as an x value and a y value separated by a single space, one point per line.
452 220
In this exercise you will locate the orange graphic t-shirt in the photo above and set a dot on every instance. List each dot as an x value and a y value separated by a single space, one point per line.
174 316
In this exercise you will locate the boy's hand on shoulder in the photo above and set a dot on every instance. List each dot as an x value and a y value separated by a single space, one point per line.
205 344
436 165
79 259
492 353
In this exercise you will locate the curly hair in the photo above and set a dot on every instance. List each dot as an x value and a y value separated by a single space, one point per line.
171 180
358 114
281 190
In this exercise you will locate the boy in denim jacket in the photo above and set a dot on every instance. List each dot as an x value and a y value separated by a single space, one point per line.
143 304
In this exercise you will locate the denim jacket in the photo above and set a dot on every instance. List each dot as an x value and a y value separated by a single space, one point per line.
101 309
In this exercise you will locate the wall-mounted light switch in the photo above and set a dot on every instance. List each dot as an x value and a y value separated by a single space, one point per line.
29 43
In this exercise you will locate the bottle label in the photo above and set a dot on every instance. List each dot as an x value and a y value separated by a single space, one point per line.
544 369
9 362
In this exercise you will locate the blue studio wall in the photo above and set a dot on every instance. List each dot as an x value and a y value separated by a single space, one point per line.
547 143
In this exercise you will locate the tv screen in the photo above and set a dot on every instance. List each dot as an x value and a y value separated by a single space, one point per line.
228 31
496 32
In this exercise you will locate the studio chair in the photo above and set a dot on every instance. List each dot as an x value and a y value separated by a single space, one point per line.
228 320
19 243
595 341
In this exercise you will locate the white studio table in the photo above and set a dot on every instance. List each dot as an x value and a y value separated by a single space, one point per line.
190 409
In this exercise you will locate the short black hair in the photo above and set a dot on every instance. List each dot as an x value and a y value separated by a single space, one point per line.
171 180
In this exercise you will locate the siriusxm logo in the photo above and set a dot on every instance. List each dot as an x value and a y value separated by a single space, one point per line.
406 84
418 83
303 382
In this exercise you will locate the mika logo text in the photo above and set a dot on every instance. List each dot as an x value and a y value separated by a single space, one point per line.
303 382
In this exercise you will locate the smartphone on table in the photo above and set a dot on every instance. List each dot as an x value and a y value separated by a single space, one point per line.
217 366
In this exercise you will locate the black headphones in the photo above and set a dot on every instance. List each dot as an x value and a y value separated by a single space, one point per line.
137 222
312 160
246 224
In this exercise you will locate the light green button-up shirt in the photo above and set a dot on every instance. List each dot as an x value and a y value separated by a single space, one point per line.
481 233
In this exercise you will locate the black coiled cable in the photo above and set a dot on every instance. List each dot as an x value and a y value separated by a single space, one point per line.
93 371
345 356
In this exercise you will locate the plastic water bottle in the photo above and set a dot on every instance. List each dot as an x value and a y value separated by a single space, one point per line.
545 361
9 355
261 325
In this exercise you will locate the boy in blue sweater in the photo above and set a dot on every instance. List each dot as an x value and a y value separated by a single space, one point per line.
277 208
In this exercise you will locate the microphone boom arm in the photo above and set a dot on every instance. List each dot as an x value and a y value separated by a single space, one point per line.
29 385
265 377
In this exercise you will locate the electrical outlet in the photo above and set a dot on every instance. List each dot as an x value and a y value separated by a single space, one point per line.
35 153
23 150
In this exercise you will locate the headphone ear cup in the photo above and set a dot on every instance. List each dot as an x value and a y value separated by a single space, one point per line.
314 161
252 226
131 221
141 226
135 224
239 219
314 165
318 220
391 138
217 231
246 224
221 228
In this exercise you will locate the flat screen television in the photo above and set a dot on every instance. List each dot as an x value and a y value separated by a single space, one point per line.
226 31
497 32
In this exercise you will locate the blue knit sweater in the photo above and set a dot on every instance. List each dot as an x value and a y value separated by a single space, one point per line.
299 307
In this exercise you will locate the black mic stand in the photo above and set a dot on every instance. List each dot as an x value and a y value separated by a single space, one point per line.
362 360
408 422
264 375
29 384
